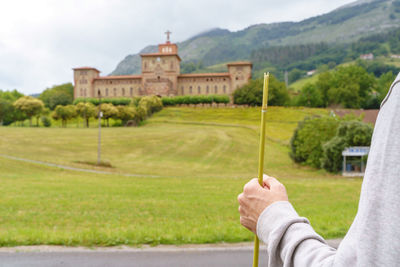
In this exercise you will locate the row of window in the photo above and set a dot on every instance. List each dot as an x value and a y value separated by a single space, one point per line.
200 79
114 92
118 82
83 91
207 91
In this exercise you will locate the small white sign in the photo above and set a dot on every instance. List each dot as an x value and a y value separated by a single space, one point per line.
101 114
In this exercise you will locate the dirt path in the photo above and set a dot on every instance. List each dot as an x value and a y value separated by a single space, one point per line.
43 163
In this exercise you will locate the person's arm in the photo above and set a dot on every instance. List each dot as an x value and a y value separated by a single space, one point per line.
290 239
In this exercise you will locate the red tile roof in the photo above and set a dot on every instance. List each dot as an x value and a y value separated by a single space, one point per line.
159 54
370 115
86 68
240 63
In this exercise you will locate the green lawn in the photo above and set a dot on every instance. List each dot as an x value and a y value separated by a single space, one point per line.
202 158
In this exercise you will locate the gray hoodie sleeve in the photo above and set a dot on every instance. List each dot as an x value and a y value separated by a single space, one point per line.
374 236
290 239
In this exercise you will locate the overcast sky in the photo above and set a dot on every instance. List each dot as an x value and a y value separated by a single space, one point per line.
41 40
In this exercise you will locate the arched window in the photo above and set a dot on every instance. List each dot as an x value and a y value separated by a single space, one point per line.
131 91
199 90
123 91
190 90
216 89
182 90
106 91
115 91
224 89
207 89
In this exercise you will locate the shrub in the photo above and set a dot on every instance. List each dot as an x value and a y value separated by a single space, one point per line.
332 154
195 99
308 138
95 101
135 101
168 101
221 99
45 121
349 133
356 133
151 104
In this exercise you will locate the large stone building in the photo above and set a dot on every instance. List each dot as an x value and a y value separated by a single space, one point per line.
160 76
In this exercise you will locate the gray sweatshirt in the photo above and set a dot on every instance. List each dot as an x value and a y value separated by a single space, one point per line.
374 237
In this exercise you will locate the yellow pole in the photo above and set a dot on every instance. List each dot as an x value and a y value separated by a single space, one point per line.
261 155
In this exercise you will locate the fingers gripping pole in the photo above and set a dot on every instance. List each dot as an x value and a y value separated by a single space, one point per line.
261 155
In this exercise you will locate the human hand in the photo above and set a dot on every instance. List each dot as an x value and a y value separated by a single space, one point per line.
255 199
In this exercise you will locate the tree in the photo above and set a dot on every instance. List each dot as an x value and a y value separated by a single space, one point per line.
127 113
10 96
5 110
349 87
29 106
310 96
251 93
383 84
64 113
59 98
295 74
58 95
109 111
323 84
86 111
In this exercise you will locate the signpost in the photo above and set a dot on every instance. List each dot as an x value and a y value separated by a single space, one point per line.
100 114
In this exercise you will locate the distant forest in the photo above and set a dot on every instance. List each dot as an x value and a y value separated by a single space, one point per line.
307 57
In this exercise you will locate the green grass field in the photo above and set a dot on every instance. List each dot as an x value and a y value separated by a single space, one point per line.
201 157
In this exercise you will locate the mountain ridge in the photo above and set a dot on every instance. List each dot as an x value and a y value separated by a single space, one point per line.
342 25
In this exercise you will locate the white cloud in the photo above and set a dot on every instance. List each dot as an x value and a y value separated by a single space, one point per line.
41 40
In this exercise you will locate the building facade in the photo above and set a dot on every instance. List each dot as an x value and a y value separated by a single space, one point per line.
161 76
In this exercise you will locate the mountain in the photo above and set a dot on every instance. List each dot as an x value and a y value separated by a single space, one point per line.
343 25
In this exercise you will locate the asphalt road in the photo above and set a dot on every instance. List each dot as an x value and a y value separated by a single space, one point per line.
194 256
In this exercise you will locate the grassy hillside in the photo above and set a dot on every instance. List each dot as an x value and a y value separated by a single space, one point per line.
298 85
202 158
380 61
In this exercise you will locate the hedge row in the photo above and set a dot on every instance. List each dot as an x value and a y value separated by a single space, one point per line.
199 99
123 101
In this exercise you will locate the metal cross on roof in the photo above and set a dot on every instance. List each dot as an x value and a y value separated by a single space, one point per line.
168 33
